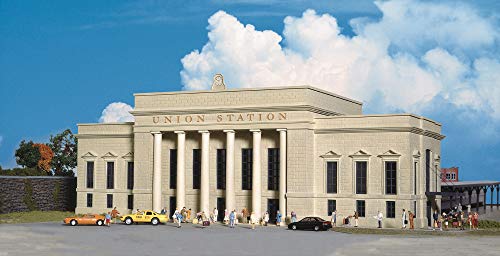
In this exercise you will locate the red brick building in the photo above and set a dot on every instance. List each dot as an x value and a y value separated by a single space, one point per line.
449 174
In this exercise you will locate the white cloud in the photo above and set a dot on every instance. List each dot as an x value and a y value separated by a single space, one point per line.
117 112
403 61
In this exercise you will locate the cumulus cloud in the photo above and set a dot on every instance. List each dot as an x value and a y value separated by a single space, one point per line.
415 54
117 112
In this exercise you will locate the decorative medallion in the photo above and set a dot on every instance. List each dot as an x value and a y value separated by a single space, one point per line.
218 83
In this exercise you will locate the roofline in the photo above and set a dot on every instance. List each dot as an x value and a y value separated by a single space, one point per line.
381 115
252 89
113 123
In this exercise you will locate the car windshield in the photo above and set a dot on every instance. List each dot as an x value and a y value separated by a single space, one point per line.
149 213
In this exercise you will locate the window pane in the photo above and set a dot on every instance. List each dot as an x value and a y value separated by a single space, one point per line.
221 168
130 202
246 169
390 209
361 177
196 168
273 168
130 175
90 174
390 178
89 200
331 177
110 184
173 168
332 206
360 208
109 199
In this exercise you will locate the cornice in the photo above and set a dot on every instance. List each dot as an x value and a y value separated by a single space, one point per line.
101 136
414 130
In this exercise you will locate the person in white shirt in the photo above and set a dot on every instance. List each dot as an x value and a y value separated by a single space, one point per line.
216 214
403 219
379 219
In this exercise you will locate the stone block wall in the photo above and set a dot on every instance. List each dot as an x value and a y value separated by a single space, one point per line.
28 193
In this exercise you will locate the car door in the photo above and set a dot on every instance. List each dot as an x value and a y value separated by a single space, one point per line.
304 223
139 217
148 216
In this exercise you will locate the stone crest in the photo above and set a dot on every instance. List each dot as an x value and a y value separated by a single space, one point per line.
218 83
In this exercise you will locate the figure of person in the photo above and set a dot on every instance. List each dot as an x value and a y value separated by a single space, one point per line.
278 218
476 220
175 215
184 213
445 220
294 216
163 211
188 215
253 220
232 216
435 217
108 219
403 219
356 216
411 216
266 218
380 216
179 219
226 216
114 214
334 218
216 214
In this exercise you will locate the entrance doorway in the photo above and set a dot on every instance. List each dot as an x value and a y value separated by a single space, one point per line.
429 213
172 204
272 207
221 206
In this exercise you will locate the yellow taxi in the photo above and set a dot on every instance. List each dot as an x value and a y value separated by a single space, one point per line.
144 217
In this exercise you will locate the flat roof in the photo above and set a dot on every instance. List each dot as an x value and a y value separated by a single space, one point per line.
470 183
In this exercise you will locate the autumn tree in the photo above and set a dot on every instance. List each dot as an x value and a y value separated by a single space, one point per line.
64 146
46 155
27 155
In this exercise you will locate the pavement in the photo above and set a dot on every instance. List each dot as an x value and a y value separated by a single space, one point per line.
119 239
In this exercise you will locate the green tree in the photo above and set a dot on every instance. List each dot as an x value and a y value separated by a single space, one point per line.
64 146
27 155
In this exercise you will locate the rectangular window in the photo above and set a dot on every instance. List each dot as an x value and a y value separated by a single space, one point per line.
273 168
110 184
221 168
361 167
173 168
246 169
453 176
109 200
331 177
448 176
360 207
196 168
89 199
332 206
130 202
415 178
130 175
390 209
90 174
390 178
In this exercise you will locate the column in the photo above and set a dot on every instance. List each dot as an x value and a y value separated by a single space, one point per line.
282 188
256 179
157 171
485 191
491 197
205 172
181 171
498 201
230 195
478 191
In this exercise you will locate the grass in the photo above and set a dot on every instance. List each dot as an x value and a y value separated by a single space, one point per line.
34 216
418 232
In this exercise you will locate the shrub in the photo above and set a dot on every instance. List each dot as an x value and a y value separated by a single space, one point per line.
489 224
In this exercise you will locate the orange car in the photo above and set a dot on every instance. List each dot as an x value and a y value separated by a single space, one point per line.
86 219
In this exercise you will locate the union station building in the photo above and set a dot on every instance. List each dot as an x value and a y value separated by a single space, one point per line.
295 148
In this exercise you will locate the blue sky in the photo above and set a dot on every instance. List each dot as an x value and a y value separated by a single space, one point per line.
62 62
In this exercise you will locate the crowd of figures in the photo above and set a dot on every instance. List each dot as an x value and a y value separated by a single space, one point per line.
407 218
456 218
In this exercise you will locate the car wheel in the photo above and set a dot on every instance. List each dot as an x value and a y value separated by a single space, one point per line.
128 221
316 228
294 227
99 222
155 221
73 222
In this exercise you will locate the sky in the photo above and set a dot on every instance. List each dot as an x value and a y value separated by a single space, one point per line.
69 62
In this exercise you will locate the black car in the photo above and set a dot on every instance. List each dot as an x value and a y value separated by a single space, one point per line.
310 223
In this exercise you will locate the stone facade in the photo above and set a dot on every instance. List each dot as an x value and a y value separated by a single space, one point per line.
309 126
26 193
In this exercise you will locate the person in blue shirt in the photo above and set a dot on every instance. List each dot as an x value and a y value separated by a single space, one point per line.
278 218
232 216
108 219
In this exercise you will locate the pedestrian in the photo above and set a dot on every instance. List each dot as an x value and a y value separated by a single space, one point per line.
114 214
232 216
278 218
266 218
334 218
294 216
461 221
411 216
379 219
226 216
435 217
216 214
188 217
356 216
445 220
253 220
476 220
108 219
469 220
403 219
184 214
163 211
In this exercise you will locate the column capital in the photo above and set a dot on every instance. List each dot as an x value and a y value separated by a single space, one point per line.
204 131
229 131
179 132
156 133
281 130
255 130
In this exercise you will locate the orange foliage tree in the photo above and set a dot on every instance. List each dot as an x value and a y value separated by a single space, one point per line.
46 156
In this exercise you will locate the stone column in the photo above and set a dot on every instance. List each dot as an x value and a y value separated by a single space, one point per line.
181 171
256 177
205 172
282 182
230 194
157 171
